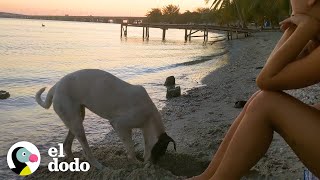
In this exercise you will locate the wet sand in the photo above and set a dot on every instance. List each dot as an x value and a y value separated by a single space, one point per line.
198 121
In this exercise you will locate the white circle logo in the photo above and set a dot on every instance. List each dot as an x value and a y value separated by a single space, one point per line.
23 158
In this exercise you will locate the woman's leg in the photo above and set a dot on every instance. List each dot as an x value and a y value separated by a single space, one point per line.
214 164
296 122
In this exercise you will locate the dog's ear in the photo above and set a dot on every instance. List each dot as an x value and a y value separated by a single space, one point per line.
160 148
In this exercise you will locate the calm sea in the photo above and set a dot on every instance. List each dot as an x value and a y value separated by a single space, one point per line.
32 57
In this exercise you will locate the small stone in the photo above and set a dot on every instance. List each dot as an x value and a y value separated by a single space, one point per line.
4 94
173 92
170 81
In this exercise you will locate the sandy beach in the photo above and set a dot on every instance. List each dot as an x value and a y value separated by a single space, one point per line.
198 121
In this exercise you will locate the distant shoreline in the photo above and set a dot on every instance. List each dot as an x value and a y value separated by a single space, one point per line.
96 19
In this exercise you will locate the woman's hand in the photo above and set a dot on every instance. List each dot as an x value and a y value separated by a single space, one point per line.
300 20
307 21
282 70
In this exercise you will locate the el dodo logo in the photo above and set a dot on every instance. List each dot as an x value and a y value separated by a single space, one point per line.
64 166
23 158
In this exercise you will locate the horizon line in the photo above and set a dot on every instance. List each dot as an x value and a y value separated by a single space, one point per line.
15 13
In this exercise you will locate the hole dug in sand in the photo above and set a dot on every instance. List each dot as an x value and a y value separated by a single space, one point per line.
171 166
182 164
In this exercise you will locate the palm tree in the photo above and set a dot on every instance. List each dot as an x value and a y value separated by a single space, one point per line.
154 15
224 4
170 12
204 14
255 10
271 10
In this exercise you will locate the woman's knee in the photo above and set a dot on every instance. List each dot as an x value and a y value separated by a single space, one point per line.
250 99
263 101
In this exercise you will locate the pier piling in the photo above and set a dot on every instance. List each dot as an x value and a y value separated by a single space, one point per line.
185 35
143 33
121 30
163 34
124 29
189 30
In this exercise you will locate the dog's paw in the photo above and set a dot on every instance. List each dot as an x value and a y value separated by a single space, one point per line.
132 158
148 165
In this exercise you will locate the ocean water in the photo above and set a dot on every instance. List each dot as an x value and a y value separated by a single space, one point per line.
32 57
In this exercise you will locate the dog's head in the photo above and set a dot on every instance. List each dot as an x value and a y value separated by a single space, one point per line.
160 148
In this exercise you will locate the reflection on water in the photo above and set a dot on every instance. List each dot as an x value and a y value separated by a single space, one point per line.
32 57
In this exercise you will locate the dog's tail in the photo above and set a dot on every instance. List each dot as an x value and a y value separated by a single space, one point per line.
47 103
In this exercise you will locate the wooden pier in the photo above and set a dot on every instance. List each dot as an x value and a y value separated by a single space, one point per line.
190 29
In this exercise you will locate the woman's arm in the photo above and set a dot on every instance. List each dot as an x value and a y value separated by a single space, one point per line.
287 33
317 106
312 45
282 71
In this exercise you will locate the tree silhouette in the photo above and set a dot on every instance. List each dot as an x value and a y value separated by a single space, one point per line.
154 15
248 10
170 13
225 12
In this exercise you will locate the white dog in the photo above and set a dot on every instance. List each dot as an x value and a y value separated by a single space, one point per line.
126 106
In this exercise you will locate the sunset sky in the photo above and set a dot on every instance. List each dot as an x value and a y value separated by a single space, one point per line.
93 7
